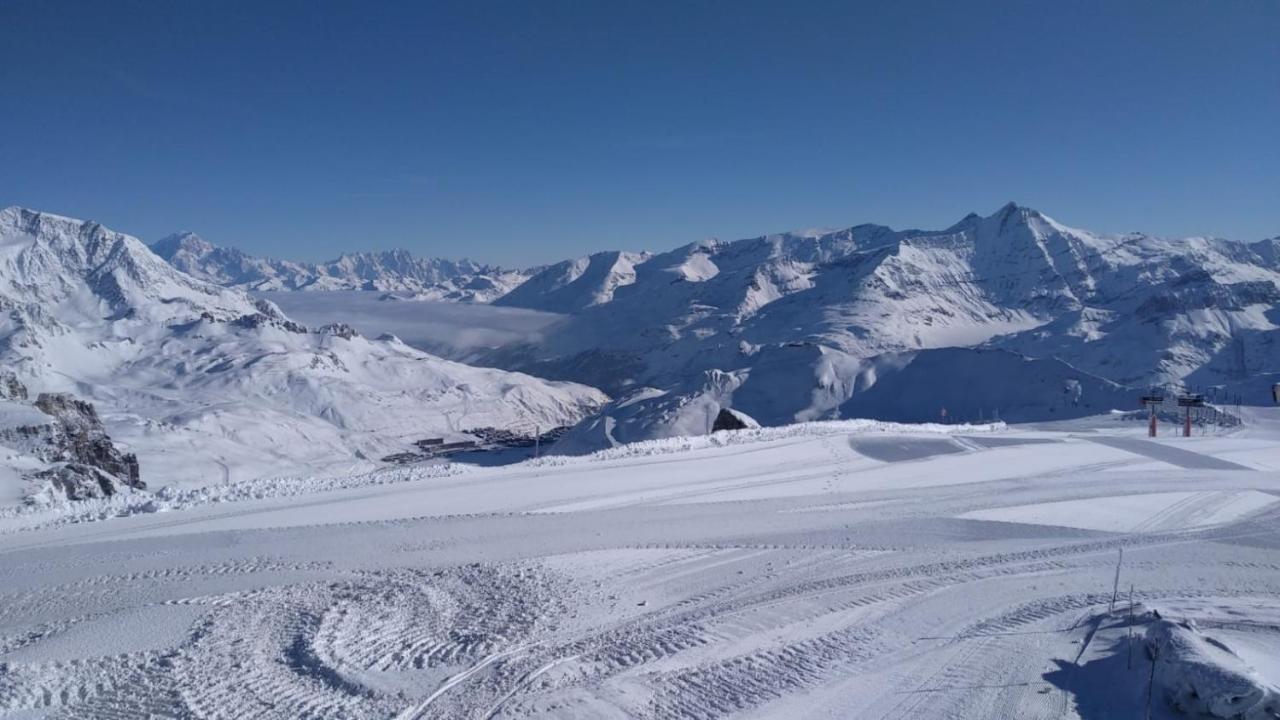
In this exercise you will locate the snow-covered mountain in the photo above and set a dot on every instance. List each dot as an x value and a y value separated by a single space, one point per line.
1011 313
577 284
204 383
388 271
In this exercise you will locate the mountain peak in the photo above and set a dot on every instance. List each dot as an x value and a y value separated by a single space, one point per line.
184 241
33 221
1012 208
1003 216
966 222
54 258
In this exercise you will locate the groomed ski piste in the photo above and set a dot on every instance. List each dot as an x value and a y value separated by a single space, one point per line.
844 569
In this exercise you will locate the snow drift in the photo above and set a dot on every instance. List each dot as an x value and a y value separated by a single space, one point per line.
1201 677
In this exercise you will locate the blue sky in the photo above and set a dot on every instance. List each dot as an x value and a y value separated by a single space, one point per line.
525 132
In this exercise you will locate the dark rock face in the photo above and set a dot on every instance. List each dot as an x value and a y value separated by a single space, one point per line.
86 464
86 443
342 330
728 421
77 481
10 387
257 320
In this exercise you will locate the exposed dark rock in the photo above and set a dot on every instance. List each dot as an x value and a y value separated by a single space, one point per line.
727 420
257 320
342 330
11 388
88 442
77 481
404 458
88 464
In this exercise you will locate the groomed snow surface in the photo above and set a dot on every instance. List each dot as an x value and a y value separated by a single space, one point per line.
843 569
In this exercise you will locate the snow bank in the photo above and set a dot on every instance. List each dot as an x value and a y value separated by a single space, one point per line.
725 438
60 512
1202 677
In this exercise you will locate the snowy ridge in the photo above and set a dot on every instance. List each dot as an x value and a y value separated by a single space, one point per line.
576 284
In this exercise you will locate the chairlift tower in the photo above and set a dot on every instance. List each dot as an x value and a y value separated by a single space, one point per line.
1151 402
1190 401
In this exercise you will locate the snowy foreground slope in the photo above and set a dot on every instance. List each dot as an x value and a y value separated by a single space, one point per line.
207 385
847 569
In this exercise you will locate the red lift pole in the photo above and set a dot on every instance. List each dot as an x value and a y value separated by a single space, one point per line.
1188 402
1152 401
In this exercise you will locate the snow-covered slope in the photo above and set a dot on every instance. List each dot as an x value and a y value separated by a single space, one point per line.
203 382
393 270
576 284
850 569
824 315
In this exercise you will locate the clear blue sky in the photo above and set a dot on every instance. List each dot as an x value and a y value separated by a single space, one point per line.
529 131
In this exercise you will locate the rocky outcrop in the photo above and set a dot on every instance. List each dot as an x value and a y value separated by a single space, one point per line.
11 388
342 330
83 461
729 419
77 481
85 441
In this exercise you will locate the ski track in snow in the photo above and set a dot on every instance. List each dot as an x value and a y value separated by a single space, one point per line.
790 576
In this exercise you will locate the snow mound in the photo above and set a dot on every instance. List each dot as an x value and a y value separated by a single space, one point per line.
724 438
172 498
1201 676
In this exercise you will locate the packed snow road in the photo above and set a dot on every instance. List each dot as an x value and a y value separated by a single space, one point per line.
806 573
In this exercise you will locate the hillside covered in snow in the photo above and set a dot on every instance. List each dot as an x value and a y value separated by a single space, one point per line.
1013 314
205 384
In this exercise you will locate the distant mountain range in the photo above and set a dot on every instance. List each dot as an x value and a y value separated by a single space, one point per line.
1011 313
388 271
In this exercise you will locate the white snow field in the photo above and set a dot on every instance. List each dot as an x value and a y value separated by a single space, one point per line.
846 569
